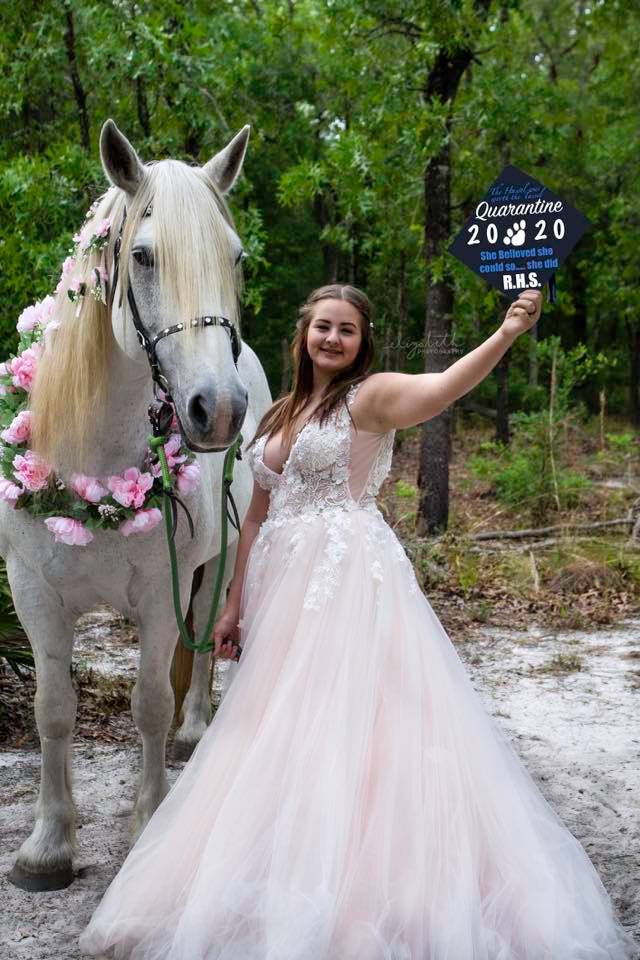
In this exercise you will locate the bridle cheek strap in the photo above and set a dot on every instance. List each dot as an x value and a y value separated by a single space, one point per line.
149 343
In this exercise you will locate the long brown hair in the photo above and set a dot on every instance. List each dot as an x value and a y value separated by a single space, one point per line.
284 412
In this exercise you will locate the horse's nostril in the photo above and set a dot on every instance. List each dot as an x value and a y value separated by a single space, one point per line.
199 410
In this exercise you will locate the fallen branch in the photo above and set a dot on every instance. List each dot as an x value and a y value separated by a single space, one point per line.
543 531
525 547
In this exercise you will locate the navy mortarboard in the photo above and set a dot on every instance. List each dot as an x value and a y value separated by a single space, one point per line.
519 234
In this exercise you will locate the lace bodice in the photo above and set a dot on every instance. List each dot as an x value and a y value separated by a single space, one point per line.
326 466
331 472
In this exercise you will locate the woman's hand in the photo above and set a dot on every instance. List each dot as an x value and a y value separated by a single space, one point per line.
523 313
226 635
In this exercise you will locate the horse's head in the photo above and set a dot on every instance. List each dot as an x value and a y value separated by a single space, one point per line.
178 263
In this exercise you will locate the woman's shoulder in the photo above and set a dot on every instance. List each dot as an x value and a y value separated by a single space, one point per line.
362 399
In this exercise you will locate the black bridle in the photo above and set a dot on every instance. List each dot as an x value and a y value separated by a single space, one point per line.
162 409
148 342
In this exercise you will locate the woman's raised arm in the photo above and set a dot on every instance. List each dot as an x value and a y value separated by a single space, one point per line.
399 400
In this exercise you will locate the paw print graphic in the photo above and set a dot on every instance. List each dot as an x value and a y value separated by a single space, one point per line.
515 234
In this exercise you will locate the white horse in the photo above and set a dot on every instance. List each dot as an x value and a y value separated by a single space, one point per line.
89 409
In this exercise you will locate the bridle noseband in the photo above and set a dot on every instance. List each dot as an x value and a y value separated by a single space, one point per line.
149 342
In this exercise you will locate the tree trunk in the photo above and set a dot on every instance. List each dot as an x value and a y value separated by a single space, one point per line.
143 107
442 82
533 355
401 307
329 251
78 89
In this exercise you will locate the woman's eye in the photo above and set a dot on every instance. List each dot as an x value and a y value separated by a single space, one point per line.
143 256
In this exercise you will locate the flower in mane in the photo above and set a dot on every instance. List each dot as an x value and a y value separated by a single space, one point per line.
93 237
130 502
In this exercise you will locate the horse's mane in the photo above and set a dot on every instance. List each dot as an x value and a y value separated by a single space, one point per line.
197 275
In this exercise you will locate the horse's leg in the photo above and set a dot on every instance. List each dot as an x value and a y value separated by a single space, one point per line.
196 709
152 704
44 861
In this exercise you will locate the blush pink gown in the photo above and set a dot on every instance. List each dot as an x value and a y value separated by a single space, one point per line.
351 799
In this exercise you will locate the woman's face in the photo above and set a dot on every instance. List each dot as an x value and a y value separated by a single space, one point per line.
334 335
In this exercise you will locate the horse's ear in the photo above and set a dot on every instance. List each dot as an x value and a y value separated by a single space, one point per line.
223 169
120 161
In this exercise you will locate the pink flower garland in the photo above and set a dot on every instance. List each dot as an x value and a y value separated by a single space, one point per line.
133 489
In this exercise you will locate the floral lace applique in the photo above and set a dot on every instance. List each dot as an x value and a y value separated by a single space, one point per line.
326 574
265 478
314 483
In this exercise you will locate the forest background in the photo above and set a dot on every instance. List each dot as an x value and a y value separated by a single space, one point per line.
376 128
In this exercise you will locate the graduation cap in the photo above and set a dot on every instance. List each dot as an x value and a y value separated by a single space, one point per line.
519 234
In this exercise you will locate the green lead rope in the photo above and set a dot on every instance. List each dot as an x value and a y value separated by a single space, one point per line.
157 444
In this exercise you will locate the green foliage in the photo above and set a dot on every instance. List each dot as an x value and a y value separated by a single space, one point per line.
343 129
523 475
405 490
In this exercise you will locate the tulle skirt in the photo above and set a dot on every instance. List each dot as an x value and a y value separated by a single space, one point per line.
352 799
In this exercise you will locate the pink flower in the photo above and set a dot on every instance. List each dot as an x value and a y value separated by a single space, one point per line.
9 491
188 478
19 430
130 489
171 449
143 521
49 329
28 319
74 284
31 471
68 266
84 237
103 227
89 488
23 368
69 531
46 309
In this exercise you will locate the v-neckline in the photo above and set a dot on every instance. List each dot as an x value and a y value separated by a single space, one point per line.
266 438
293 446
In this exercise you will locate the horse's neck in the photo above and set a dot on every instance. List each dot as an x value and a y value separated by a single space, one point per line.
120 438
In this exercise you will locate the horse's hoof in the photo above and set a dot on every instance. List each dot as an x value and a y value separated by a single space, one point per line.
40 882
182 750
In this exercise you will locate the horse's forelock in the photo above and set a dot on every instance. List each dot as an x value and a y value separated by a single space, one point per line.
192 248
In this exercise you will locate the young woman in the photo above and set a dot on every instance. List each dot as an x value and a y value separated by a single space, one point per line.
352 799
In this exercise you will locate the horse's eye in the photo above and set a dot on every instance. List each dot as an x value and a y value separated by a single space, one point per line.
143 256
241 256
